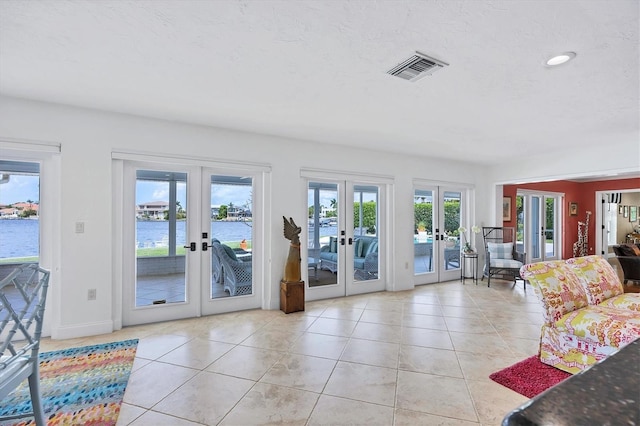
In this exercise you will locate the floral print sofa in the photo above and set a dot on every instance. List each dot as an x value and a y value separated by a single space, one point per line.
587 314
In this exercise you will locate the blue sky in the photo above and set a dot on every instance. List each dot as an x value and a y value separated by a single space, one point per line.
220 194
20 188
23 188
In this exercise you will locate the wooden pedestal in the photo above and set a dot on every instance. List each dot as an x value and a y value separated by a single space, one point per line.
291 296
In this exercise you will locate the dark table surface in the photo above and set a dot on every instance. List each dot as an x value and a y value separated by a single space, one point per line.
608 393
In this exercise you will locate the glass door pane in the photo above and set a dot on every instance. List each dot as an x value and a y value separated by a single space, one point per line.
550 228
520 234
538 217
534 228
322 259
451 209
160 216
365 234
231 230
19 218
423 231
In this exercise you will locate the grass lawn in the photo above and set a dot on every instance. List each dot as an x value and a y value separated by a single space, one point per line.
141 252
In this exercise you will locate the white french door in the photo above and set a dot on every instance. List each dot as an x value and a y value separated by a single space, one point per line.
173 216
438 213
346 237
30 184
538 225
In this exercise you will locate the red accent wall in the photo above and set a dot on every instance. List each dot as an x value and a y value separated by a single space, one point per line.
583 193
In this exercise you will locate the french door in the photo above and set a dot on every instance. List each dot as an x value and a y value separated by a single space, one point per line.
189 241
29 188
538 225
346 237
439 212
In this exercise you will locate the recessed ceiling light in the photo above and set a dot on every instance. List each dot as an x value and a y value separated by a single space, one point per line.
560 59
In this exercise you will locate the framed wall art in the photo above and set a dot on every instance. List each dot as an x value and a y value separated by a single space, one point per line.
506 209
573 209
633 213
625 211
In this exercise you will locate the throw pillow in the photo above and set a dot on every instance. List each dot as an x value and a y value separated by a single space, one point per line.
500 250
632 249
373 247
333 245
229 251
359 247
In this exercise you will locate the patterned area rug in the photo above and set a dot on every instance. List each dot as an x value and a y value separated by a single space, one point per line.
79 386
529 377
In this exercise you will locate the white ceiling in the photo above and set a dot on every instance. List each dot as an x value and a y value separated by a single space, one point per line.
316 70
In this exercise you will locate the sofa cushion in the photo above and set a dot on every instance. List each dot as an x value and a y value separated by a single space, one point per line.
500 250
333 244
557 287
604 326
630 301
597 277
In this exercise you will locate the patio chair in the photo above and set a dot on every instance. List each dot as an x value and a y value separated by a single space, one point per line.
237 273
22 298
502 257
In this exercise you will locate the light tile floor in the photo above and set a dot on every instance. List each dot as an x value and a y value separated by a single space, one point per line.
419 357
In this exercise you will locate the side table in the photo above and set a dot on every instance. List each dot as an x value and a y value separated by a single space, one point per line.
473 259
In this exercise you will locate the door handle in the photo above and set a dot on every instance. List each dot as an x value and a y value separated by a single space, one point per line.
350 241
191 247
341 241
206 246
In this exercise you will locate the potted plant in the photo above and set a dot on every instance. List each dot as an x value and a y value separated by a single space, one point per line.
422 231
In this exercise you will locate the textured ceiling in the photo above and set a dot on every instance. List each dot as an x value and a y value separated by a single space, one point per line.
316 70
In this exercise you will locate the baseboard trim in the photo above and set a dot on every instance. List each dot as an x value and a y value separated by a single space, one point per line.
81 330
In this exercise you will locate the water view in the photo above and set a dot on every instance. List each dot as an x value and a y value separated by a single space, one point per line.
19 237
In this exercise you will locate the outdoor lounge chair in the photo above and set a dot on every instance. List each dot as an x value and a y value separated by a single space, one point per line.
237 273
22 298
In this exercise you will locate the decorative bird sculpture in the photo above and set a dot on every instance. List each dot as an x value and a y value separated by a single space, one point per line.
292 267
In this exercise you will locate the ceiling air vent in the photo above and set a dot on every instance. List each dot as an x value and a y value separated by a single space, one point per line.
416 67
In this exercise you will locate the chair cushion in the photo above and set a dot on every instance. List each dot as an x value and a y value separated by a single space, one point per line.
500 250
13 367
229 251
505 263
358 263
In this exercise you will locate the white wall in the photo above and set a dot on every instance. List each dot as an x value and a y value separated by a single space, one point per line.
87 139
